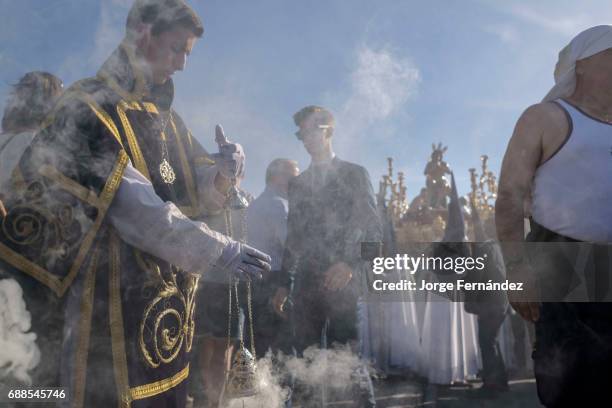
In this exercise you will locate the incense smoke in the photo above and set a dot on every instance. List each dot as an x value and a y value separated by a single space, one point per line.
18 350
381 84
334 368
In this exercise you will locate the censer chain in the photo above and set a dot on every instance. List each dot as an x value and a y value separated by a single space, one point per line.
230 233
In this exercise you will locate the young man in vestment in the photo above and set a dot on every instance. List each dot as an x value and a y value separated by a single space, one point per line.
98 212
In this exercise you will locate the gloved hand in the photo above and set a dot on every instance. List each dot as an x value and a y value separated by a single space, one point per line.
230 159
243 261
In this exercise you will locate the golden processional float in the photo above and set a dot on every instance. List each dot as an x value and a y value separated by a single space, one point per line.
423 219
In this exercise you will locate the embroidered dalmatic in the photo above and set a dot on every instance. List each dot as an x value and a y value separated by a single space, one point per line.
129 316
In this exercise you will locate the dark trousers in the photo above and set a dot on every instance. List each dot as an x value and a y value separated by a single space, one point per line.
524 335
272 332
322 318
573 350
493 368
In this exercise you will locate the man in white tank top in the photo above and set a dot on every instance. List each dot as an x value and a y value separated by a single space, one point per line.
560 157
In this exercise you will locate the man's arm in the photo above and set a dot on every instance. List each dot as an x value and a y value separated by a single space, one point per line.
290 260
537 130
144 221
364 225
279 217
292 249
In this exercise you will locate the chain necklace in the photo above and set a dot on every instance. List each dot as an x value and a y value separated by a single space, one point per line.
165 168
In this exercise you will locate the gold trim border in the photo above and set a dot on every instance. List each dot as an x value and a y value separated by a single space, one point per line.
139 161
71 186
56 284
80 371
103 116
30 268
192 210
159 387
120 366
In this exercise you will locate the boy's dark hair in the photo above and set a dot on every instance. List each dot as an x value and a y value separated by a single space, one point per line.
30 100
164 15
326 118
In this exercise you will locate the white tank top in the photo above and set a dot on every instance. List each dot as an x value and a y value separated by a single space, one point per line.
572 191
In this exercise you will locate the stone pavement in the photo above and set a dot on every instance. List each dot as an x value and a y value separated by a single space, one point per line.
409 393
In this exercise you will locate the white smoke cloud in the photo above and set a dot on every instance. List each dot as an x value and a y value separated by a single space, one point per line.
335 368
110 29
560 24
332 367
18 351
271 393
381 84
507 33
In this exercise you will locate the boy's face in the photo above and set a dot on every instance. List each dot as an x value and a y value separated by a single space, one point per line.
314 137
167 53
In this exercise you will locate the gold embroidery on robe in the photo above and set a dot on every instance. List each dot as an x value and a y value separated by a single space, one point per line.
168 320
34 223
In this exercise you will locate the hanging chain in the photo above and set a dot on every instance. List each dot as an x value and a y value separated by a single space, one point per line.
249 297
228 232
250 310
241 330
229 314
233 284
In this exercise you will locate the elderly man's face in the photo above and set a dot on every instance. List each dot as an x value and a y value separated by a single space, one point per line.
290 171
167 53
597 69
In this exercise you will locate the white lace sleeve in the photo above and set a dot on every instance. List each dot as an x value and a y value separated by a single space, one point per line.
146 222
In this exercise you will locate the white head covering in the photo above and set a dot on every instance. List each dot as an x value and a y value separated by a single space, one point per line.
588 43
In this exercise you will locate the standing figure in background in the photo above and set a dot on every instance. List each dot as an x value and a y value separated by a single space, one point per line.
489 306
560 154
332 210
214 350
449 336
267 229
436 182
30 101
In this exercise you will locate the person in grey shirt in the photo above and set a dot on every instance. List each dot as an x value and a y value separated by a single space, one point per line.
267 214
267 230
29 102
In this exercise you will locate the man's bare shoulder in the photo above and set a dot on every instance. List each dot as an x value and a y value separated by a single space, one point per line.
544 118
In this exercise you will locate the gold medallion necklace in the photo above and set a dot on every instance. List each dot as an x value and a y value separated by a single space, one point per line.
165 168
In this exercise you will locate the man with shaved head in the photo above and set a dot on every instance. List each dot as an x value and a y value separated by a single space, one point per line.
267 230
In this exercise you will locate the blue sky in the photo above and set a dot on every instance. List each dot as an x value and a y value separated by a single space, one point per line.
400 75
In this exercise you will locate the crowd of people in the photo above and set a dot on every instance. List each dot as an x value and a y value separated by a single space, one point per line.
134 246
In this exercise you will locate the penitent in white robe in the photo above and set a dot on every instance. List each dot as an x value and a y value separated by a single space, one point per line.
449 342
389 333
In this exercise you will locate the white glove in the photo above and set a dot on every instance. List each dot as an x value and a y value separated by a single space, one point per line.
243 261
230 161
